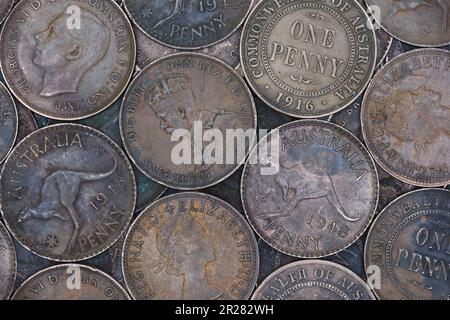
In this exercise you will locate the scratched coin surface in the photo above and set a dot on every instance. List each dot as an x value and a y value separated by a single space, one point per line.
8 122
173 101
58 283
8 263
188 24
405 117
67 192
5 7
190 246
409 244
62 69
313 280
417 22
308 58
318 197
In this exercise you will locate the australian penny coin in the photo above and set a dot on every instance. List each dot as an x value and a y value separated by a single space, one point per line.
405 116
318 196
188 24
8 263
175 102
313 280
27 123
8 122
5 7
408 247
308 59
190 246
67 192
417 22
70 282
68 59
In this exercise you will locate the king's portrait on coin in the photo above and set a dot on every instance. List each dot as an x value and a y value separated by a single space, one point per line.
65 55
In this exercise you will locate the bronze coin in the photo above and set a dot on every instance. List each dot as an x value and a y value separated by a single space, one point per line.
313 280
60 283
190 246
308 59
67 192
417 22
8 122
5 7
64 69
188 93
188 24
409 243
8 264
323 196
405 116
27 123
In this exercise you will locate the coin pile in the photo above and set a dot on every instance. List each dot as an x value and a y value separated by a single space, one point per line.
96 96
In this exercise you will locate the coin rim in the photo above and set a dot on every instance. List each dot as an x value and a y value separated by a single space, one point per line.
8 10
379 217
195 195
68 265
300 263
16 123
297 116
127 10
91 131
376 184
10 288
114 97
364 124
199 56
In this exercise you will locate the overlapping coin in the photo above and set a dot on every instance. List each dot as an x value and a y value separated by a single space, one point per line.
8 122
8 264
313 280
418 22
188 24
67 59
70 282
67 192
5 7
172 105
316 197
190 246
405 117
308 58
408 247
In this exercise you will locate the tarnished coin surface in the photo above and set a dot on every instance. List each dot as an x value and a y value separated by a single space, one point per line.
308 58
8 263
59 283
63 65
27 123
190 246
8 122
188 24
171 105
313 280
409 244
423 23
108 122
323 196
5 7
405 117
67 192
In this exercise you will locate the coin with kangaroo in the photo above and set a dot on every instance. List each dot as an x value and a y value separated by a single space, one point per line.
67 192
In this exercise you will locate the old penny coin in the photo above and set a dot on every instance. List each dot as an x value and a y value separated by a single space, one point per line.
313 280
184 96
417 22
5 7
405 116
318 197
190 246
188 24
58 283
409 244
67 192
27 123
63 68
308 58
8 263
8 122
